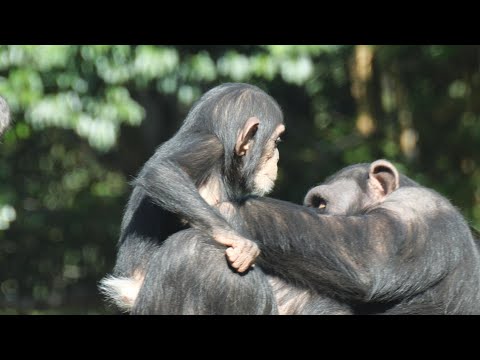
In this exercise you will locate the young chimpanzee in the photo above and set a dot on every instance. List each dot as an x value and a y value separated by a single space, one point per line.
371 242
225 149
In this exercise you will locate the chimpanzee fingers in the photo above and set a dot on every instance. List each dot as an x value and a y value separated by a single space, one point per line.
241 250
232 255
246 258
229 238
242 255
235 254
254 253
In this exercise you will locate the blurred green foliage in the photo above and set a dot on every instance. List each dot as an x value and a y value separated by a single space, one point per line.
85 118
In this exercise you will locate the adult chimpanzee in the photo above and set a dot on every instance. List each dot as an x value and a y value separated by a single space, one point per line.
225 149
371 242
389 246
4 116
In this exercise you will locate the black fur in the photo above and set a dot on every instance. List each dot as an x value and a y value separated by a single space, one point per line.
165 197
189 275
411 254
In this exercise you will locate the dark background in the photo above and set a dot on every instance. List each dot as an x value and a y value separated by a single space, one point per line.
87 117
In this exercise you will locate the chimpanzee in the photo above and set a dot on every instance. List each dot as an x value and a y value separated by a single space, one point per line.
4 116
376 241
225 149
371 241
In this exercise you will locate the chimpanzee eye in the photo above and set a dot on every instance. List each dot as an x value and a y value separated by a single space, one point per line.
278 141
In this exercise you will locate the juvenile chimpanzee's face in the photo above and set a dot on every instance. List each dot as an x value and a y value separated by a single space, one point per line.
267 171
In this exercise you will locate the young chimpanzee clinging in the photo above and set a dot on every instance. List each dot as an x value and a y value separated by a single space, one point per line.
225 149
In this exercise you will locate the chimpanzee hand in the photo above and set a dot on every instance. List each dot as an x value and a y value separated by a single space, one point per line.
241 253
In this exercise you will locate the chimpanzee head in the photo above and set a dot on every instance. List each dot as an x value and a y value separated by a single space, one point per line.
355 188
248 122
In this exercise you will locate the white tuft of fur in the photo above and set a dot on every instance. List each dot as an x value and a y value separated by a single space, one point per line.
121 291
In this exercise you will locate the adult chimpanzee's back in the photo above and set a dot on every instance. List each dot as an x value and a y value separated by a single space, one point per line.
371 242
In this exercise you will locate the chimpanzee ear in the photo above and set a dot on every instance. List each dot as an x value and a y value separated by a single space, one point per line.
383 178
245 135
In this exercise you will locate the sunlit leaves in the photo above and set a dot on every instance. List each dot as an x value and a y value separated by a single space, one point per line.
7 215
108 71
35 57
22 130
187 94
458 89
202 67
263 65
294 67
167 85
111 72
11 55
235 66
98 118
47 57
297 71
101 134
153 62
76 179
112 185
123 106
60 110
21 88
95 119
69 81
300 50
91 52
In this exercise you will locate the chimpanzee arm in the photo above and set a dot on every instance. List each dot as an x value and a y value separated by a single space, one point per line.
398 249
169 181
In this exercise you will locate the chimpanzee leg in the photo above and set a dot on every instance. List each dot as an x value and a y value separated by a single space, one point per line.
189 274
